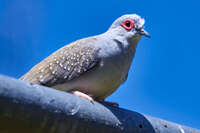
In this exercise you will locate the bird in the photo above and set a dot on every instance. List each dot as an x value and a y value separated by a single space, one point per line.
94 67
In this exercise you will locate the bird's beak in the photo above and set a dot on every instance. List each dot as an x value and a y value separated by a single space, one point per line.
143 32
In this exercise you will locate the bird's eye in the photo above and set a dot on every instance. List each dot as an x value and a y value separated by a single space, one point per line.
128 24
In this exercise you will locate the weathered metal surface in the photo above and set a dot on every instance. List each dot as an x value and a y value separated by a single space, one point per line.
26 108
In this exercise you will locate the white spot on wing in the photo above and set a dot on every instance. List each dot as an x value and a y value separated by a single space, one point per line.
61 65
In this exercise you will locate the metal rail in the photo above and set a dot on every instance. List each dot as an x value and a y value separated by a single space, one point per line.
27 108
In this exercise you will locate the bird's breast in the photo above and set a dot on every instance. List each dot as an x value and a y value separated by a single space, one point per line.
104 79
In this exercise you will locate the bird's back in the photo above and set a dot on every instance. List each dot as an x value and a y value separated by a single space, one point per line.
65 64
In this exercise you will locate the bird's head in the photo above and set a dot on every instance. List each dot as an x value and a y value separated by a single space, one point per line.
130 26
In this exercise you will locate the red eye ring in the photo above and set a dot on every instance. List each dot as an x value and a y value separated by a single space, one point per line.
128 24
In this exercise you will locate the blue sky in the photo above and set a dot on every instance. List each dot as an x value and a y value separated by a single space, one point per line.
164 76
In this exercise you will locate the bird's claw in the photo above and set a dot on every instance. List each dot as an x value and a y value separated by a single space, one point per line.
111 103
83 95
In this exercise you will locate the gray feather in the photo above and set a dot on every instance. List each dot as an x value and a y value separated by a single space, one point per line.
64 65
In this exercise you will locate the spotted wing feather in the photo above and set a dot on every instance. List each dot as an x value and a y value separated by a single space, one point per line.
64 65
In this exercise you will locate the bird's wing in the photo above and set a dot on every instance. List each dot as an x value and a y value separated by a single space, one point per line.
65 64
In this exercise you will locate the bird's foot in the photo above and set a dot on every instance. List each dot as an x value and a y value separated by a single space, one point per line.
83 95
111 103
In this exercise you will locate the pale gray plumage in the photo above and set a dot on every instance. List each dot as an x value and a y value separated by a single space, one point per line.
96 65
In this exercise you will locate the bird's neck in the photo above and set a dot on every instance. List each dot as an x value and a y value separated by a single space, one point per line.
126 46
124 49
128 43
